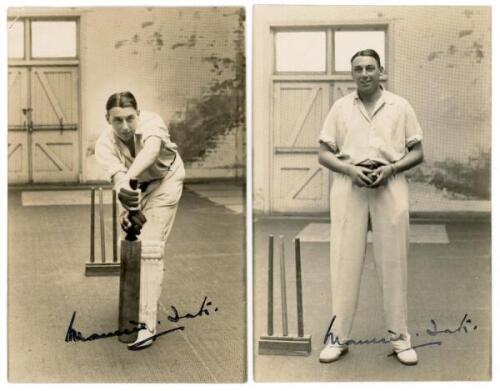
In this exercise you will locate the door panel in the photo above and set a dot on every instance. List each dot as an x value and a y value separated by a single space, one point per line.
300 113
55 123
18 154
299 183
18 97
55 96
53 157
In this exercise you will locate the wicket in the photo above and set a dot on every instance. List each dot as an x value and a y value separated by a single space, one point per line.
104 268
286 345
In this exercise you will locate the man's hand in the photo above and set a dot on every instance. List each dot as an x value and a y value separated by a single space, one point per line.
382 175
360 176
133 220
128 197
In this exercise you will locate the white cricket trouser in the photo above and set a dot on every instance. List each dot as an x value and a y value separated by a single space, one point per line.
387 207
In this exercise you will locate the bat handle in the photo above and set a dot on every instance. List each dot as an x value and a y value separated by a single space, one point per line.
131 236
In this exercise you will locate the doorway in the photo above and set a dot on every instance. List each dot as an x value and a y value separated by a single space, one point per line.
43 100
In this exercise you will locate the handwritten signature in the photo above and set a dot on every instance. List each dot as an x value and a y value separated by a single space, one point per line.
73 335
203 311
432 331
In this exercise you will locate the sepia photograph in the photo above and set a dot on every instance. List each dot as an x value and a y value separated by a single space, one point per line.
126 195
371 193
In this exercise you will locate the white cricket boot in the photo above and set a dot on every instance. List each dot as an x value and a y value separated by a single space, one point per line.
404 352
332 352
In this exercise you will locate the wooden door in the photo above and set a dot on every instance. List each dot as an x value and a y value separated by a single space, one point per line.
54 141
18 117
298 183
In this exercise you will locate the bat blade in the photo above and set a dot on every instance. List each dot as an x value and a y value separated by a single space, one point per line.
130 280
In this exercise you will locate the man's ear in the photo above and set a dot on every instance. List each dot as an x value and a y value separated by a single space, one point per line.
382 69
107 118
138 112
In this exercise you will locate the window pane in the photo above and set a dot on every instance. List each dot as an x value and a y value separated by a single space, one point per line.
301 51
349 42
53 39
16 39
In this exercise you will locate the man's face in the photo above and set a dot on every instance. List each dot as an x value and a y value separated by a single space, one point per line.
366 73
123 121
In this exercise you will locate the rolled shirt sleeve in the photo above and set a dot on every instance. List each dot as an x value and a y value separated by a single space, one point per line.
154 126
413 131
328 134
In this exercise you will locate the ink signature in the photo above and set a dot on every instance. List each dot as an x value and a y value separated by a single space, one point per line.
73 335
334 339
462 326
203 311
432 331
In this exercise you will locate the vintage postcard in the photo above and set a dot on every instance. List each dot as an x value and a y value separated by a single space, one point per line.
371 193
126 209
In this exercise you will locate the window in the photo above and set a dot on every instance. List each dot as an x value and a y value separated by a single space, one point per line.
15 39
53 39
346 43
301 51
326 50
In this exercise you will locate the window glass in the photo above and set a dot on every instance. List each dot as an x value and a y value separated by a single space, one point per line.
16 39
53 39
301 51
349 42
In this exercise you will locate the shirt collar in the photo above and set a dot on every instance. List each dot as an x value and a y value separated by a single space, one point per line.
120 143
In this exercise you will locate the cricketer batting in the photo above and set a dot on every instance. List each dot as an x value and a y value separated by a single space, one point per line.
137 146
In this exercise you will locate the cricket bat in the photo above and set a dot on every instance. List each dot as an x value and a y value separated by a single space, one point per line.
130 281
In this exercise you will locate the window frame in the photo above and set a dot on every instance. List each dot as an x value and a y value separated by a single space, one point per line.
358 29
300 30
40 61
330 29
60 19
12 21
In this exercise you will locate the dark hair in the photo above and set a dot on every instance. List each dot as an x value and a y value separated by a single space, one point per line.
121 99
369 53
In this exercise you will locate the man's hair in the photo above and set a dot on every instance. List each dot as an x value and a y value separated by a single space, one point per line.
121 99
369 53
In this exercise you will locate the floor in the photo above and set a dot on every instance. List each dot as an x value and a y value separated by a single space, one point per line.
447 280
48 249
449 269
231 197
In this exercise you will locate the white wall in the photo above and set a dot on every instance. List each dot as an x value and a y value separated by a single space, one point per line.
157 54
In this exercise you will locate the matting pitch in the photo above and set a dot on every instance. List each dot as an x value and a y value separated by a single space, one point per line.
229 196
